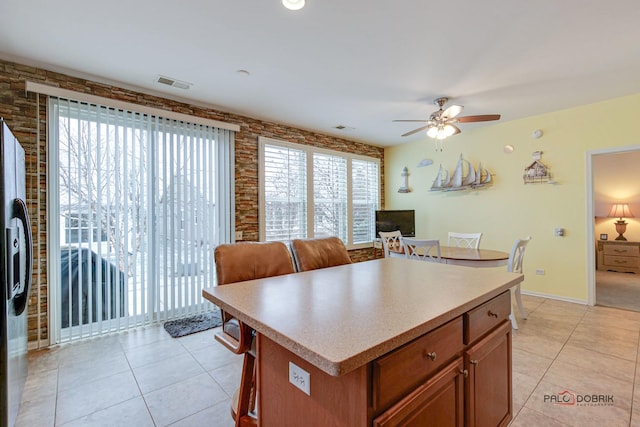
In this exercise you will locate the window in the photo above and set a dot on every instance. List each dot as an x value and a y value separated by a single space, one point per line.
365 199
284 172
80 228
310 192
329 196
138 203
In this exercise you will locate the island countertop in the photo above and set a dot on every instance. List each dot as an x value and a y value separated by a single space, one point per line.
341 318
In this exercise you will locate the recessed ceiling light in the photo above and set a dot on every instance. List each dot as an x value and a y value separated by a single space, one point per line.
293 4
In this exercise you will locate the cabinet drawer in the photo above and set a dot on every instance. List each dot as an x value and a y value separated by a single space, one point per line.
437 402
621 250
403 369
621 261
482 319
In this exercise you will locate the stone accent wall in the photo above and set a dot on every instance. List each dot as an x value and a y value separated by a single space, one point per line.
25 113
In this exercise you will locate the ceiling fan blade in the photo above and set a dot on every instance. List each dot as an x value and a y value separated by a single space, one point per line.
457 129
452 111
480 118
415 130
423 120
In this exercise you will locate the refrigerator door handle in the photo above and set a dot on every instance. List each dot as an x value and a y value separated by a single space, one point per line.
20 212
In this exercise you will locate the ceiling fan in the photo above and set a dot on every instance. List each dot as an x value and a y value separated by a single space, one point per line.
440 124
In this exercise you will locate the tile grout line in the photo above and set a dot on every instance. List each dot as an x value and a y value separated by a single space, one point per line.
101 409
146 405
204 368
552 362
633 388
55 405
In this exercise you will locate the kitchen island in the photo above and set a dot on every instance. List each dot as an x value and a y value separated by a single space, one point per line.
383 342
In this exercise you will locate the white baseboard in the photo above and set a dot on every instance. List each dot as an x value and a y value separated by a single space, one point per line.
554 297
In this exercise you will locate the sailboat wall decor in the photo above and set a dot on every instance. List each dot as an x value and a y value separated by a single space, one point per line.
464 177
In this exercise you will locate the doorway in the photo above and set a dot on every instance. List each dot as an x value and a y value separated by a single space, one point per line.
614 263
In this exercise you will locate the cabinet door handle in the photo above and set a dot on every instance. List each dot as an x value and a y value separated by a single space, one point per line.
431 355
464 373
492 314
473 362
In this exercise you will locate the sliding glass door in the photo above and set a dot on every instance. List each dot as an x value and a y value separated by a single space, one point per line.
140 202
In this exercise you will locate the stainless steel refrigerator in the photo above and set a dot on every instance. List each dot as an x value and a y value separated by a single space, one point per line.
15 271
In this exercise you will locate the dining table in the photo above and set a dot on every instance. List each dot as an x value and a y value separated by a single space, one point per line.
468 257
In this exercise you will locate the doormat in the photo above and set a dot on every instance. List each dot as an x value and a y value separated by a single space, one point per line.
190 325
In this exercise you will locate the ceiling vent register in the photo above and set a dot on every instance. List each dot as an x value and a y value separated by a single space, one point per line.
173 82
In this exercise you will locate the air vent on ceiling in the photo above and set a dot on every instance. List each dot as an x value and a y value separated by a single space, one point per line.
173 82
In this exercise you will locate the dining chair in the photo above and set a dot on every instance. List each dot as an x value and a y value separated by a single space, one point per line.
312 254
514 265
238 262
423 250
392 243
464 240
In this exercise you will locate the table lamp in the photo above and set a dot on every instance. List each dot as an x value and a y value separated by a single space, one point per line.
620 210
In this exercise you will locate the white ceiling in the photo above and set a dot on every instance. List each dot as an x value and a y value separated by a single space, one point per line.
357 63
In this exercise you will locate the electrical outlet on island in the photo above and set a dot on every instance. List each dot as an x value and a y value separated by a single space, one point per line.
300 378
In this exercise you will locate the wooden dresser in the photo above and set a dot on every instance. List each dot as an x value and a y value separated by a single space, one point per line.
619 255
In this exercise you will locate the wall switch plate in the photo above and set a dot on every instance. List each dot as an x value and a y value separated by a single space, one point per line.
300 378
540 271
238 235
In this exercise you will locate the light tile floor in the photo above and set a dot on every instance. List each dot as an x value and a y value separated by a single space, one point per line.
147 378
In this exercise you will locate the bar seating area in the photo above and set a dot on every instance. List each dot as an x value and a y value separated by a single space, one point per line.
236 263
313 352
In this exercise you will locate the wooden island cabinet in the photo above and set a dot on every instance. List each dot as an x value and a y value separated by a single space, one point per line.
433 349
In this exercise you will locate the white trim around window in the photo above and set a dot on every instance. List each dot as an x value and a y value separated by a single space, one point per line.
286 185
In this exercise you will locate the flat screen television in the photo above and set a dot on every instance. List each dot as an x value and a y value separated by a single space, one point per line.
403 220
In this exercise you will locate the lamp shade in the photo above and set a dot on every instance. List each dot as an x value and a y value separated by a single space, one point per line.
620 210
442 131
432 132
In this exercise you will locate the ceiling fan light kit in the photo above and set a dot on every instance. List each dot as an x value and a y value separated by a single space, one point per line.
441 124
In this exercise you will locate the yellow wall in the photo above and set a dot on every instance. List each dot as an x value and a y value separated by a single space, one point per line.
510 209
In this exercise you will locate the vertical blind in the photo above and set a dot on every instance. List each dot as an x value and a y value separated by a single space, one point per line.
139 205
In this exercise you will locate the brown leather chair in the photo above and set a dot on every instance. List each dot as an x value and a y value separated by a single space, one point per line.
236 263
311 254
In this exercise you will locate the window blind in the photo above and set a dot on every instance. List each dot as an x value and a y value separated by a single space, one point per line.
310 192
285 193
364 178
330 196
139 203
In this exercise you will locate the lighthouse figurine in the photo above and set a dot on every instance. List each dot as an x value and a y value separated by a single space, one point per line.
405 185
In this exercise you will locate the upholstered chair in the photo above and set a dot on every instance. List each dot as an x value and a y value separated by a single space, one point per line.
311 254
236 263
